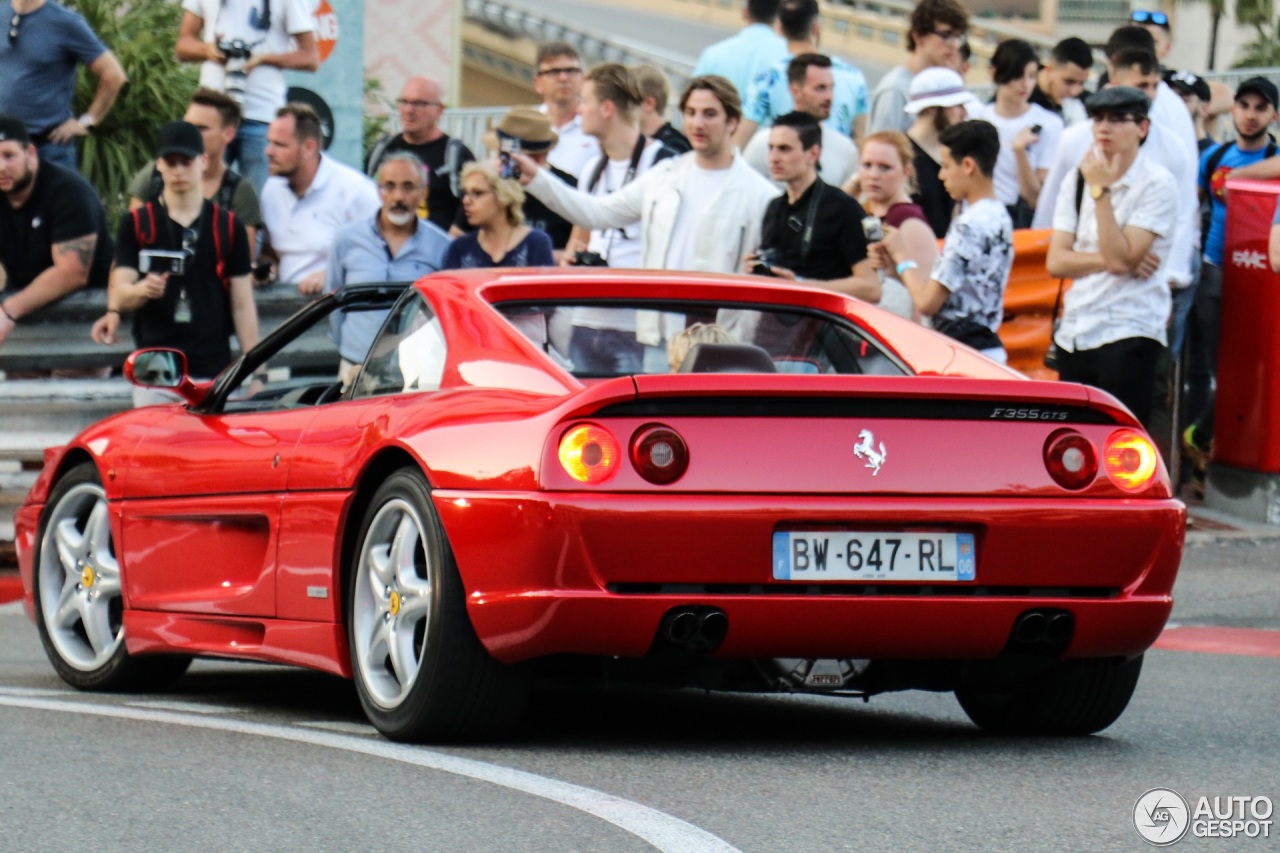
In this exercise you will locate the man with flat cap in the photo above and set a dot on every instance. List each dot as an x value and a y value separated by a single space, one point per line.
528 130
182 269
53 229
1113 222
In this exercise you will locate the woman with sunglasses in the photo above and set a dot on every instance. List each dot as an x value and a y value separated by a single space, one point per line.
495 208
1029 133
886 176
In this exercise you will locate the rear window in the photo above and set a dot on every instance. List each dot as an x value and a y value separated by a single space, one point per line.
598 340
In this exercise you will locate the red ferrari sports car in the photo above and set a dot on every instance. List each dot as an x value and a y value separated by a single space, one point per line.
706 480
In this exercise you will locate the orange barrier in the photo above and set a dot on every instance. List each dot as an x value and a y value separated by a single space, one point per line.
1028 304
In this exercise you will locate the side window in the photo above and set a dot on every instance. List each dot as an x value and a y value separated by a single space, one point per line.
408 354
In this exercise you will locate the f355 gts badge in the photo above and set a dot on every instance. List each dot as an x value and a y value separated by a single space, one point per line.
865 449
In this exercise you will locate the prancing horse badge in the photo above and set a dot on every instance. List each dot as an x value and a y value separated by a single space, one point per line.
865 449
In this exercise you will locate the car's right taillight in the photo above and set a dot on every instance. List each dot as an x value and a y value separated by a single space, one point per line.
1071 459
1130 459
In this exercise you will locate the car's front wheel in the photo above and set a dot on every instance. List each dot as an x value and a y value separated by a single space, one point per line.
78 593
420 671
1089 696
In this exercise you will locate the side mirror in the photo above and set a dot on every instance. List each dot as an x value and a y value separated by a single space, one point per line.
164 368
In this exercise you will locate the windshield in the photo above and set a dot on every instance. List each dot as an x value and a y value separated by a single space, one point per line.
597 340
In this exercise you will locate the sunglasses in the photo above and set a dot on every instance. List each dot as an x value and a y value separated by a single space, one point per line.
13 27
1143 16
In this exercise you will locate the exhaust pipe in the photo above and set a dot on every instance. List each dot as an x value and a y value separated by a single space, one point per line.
692 628
1045 631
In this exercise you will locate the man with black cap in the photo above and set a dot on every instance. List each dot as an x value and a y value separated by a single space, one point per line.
53 229
1113 221
1252 112
182 269
1195 93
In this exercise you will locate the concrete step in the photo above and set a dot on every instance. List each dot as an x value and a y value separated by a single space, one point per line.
27 448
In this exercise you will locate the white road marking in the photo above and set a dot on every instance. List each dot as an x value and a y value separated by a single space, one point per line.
189 707
340 726
13 608
40 691
665 832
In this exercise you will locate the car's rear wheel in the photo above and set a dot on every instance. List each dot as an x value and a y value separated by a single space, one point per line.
79 596
420 671
1088 697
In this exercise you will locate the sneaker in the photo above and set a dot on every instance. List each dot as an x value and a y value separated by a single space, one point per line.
1198 456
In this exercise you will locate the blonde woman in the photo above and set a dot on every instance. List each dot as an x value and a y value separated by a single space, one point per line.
495 208
885 176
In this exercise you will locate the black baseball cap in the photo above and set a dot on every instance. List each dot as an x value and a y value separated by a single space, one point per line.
1260 86
1119 100
180 137
1188 83
13 129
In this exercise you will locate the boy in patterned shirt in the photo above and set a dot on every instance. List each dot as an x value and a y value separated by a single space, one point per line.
964 292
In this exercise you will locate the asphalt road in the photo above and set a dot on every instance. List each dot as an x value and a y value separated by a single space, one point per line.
247 757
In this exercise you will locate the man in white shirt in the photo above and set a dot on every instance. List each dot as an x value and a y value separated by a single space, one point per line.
213 32
603 340
559 81
1114 316
812 82
1136 69
700 211
307 199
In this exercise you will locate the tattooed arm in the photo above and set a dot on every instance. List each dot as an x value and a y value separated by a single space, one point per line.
69 272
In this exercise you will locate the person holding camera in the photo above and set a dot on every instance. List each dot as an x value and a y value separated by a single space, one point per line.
244 48
813 231
182 269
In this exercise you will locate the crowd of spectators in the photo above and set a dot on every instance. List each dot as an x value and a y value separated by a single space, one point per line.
785 165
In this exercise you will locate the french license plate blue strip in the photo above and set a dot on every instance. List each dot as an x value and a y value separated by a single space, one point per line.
816 556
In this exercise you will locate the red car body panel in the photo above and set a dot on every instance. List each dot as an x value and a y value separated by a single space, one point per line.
268 499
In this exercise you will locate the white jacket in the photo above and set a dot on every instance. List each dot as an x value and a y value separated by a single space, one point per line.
728 230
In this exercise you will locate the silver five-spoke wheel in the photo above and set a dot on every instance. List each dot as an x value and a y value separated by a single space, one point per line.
80 595
394 587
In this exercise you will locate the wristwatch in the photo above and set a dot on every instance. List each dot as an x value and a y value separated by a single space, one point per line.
1096 193
86 121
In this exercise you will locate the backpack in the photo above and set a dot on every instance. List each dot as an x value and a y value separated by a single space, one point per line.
145 231
1210 165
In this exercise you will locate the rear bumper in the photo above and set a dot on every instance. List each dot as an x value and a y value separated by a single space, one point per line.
550 573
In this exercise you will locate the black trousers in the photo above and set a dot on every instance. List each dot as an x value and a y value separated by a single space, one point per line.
1124 368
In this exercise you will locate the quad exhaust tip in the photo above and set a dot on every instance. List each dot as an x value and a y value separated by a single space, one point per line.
1045 630
693 628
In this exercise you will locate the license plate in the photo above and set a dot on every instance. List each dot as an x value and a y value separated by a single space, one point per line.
814 556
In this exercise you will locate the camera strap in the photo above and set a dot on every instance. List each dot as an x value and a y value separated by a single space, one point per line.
811 216
636 153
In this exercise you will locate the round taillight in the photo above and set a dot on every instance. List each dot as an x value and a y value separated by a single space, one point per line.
1071 459
1130 459
659 454
589 453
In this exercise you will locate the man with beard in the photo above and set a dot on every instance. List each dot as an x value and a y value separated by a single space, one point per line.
308 197
395 244
937 99
812 83
53 229
1254 109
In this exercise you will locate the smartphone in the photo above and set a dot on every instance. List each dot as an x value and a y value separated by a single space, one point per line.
872 229
508 167
1035 128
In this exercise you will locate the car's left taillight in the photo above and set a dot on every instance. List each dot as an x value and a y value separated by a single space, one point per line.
1131 460
589 453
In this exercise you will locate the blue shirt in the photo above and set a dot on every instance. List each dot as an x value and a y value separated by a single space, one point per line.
741 57
361 255
1234 158
769 96
533 251
38 70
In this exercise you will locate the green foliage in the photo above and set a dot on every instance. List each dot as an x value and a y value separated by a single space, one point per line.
141 33
1262 52
377 118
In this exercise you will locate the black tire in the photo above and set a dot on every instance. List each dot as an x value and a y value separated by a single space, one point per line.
1089 696
78 593
441 685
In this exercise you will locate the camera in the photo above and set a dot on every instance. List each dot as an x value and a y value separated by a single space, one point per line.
163 262
589 259
1035 128
872 229
766 259
237 53
507 167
